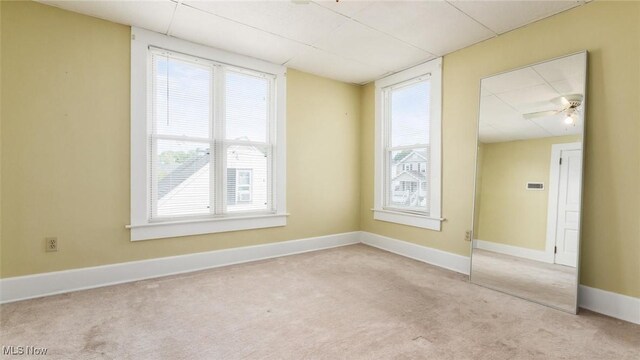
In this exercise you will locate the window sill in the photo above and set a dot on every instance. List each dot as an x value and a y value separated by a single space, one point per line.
169 229
415 220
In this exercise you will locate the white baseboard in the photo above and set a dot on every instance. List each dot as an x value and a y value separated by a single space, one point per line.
58 282
444 259
537 255
32 286
604 302
609 303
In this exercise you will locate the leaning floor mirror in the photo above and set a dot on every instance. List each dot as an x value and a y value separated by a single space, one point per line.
528 193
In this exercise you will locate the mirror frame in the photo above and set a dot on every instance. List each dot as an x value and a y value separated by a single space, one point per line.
575 308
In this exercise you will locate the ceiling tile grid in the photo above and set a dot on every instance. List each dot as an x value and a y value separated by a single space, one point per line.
350 40
204 28
507 97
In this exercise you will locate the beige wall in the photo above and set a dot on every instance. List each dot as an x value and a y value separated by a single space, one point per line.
611 232
508 213
65 142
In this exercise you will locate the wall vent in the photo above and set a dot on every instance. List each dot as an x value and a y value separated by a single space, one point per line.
535 186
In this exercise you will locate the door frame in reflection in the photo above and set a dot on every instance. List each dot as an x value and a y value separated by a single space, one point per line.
553 214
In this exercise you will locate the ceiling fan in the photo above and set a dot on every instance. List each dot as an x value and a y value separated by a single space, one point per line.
569 105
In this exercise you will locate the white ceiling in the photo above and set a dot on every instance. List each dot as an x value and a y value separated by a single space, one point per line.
506 97
352 41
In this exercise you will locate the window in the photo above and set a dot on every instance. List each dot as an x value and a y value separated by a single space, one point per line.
243 186
239 187
408 163
207 140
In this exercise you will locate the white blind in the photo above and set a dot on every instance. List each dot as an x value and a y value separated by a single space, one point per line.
193 147
407 148
181 97
247 107
248 149
181 138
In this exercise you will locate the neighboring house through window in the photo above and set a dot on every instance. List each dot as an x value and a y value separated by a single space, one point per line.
207 138
239 186
408 137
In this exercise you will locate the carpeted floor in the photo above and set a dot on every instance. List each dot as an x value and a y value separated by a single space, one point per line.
550 284
353 302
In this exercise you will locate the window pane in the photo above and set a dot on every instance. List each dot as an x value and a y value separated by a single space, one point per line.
247 188
181 97
247 107
182 178
409 179
244 177
410 114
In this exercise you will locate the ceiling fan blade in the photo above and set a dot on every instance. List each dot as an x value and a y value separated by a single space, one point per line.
541 114
569 100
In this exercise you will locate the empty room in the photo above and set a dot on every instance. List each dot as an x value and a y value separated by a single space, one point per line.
320 179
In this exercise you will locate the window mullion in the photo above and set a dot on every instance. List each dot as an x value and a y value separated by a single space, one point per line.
271 139
212 149
220 148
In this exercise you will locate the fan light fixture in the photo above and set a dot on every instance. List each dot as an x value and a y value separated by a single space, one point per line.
569 120
569 104
571 116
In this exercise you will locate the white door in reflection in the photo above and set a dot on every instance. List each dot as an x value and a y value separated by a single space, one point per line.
568 222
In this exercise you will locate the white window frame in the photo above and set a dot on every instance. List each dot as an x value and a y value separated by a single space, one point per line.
142 228
433 221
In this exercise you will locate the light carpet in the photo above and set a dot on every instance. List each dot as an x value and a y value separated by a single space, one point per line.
549 284
353 302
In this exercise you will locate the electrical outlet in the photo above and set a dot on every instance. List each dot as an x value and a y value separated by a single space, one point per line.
51 244
467 235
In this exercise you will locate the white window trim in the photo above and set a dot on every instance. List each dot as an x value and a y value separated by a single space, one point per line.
141 227
434 220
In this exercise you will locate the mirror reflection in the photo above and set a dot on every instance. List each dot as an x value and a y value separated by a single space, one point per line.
528 182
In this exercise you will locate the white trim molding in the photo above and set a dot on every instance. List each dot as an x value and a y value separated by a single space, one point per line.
204 226
433 71
59 282
33 286
612 304
537 255
443 259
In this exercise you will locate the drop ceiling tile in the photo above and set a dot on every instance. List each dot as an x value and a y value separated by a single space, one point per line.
556 127
485 92
500 122
570 86
570 67
502 16
300 22
151 15
493 110
521 129
493 136
207 29
512 80
358 42
345 7
530 98
325 64
486 130
516 130
434 26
